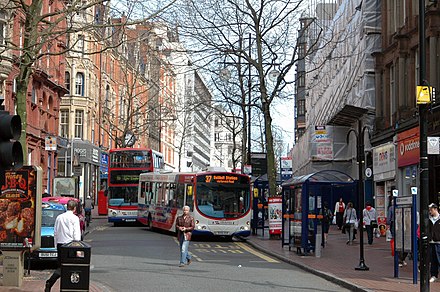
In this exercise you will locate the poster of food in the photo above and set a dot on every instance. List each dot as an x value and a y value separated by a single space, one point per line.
20 209
275 215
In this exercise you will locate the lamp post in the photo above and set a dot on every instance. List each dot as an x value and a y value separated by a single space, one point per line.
360 157
424 166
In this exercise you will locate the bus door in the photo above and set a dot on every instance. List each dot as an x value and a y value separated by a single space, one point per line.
189 197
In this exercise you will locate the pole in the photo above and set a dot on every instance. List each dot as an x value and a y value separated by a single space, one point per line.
424 170
249 103
360 158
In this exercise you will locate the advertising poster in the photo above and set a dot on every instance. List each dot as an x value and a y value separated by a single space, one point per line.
275 215
19 209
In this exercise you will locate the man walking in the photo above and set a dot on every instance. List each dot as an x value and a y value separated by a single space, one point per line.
88 206
434 240
185 226
66 230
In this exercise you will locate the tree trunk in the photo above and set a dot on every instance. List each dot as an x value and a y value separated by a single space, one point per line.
271 170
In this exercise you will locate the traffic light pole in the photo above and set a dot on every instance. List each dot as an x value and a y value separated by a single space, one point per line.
424 166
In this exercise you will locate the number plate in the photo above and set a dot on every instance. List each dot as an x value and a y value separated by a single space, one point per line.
130 220
48 254
221 232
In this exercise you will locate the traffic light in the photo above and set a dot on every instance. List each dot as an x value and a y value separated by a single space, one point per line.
11 153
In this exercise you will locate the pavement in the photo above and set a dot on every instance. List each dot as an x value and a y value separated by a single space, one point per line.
336 263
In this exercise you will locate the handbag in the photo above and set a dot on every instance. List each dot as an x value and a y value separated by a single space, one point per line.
373 223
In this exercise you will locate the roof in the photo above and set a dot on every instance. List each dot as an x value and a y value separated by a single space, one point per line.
325 176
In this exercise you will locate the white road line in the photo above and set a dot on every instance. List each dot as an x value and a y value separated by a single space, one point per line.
192 255
256 253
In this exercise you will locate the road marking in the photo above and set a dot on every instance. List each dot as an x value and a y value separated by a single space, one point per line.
256 253
192 255
218 261
100 228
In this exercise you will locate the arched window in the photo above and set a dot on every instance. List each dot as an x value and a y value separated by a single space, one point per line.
79 84
67 80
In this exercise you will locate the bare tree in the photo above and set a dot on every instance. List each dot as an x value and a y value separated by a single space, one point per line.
269 48
44 28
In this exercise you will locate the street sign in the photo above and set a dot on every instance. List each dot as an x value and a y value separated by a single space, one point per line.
77 170
50 143
368 172
424 94
408 200
433 145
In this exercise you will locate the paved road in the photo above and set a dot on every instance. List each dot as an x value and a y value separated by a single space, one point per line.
131 258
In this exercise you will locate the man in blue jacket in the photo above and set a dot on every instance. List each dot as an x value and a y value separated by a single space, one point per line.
434 240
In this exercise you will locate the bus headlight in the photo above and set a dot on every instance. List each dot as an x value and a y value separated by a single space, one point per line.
247 222
197 221
244 228
114 213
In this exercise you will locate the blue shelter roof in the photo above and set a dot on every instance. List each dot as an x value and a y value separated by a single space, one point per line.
324 176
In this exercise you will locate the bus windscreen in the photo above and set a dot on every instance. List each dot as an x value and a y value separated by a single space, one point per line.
223 196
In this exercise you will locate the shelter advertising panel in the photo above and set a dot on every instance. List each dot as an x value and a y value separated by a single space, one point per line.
20 209
275 215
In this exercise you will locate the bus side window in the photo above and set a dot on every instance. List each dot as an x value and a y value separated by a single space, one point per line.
180 195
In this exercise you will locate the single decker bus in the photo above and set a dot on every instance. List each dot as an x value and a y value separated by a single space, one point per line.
219 201
125 166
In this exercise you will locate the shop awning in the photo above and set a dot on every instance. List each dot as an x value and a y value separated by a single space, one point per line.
326 176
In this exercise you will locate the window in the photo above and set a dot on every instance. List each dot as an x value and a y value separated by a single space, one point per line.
80 43
301 107
79 119
67 80
392 91
217 137
64 123
34 96
216 122
2 27
301 79
79 84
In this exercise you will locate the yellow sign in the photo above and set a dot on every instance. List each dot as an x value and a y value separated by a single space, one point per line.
424 94
255 193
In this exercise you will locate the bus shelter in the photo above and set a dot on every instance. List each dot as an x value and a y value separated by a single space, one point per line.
260 202
303 200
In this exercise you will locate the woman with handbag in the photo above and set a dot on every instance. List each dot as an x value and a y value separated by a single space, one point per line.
370 221
350 219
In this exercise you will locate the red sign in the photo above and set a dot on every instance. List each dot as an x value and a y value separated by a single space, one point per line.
17 208
408 147
275 215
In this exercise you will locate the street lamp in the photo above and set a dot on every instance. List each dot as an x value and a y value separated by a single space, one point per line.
360 157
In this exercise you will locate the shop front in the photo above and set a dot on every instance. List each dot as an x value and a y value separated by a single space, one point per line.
384 170
408 153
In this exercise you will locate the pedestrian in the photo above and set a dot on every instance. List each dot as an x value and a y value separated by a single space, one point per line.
339 213
66 230
45 194
350 219
88 206
325 221
434 240
185 226
369 221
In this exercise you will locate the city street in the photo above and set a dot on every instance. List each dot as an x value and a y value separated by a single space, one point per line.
131 258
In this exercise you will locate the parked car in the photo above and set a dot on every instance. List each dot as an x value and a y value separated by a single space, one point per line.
79 210
48 250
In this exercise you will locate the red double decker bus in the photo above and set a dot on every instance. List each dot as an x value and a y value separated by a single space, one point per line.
125 166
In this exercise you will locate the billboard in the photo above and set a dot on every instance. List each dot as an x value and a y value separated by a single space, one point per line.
20 209
259 164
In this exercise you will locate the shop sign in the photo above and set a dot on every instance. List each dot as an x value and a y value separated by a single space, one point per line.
286 168
408 147
383 158
275 214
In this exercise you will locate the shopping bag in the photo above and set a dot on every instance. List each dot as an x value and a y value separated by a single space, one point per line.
392 246
356 224
388 235
334 220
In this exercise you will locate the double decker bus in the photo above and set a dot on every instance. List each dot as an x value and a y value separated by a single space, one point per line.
218 201
125 166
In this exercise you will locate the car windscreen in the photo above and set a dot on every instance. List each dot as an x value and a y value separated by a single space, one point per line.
49 216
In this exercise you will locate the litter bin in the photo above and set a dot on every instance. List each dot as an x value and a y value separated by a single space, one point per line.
75 266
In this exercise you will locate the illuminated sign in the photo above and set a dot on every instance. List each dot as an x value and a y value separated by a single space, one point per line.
221 179
125 176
